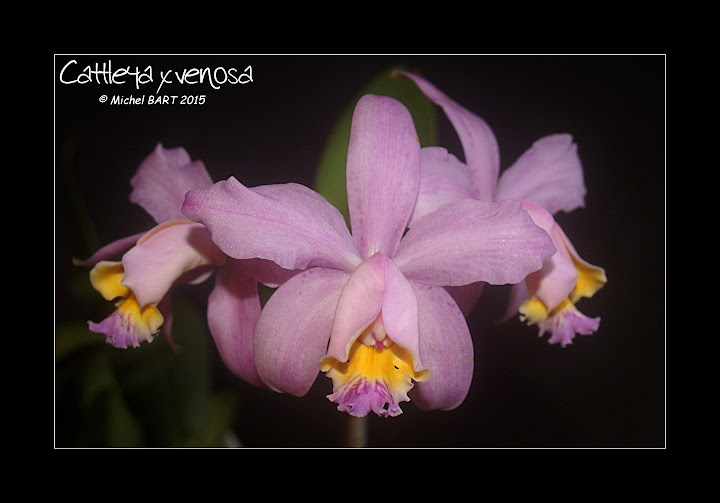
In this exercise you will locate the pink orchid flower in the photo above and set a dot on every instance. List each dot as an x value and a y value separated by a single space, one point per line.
369 307
177 251
546 178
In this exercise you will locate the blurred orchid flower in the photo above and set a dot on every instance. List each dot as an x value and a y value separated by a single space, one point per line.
176 251
369 308
546 178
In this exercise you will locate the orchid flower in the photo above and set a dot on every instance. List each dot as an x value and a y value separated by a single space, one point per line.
176 251
369 308
546 178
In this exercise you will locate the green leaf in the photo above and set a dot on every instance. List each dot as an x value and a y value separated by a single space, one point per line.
122 429
169 390
330 179
150 396
221 412
91 410
80 230
71 337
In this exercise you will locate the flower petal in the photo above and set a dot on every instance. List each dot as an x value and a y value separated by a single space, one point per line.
376 286
469 241
443 179
163 178
129 324
558 275
518 294
166 310
446 349
110 250
549 174
289 224
358 306
268 272
565 323
106 277
294 327
382 173
466 296
232 312
478 141
591 278
164 255
400 313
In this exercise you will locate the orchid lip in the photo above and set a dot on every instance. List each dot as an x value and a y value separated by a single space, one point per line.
130 323
376 377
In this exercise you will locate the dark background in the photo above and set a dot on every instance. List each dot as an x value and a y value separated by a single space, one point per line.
604 390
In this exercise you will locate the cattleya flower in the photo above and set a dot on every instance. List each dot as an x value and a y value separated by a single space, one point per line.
546 178
369 308
176 251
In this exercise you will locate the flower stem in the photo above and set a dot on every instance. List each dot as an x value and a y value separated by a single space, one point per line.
356 431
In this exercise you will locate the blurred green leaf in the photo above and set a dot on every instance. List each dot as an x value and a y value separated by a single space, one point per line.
221 413
330 180
74 336
80 230
122 428
151 396
91 410
170 389
97 378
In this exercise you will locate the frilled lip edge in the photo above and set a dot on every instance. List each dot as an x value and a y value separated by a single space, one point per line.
361 396
375 378
129 325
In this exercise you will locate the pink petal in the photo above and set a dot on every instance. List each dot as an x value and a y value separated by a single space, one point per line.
518 294
466 296
359 305
477 139
556 279
110 250
289 224
163 178
268 272
294 327
382 173
549 174
469 241
232 312
164 255
400 313
443 179
446 349
564 325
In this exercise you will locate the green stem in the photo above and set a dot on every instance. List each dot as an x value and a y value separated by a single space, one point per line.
356 431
